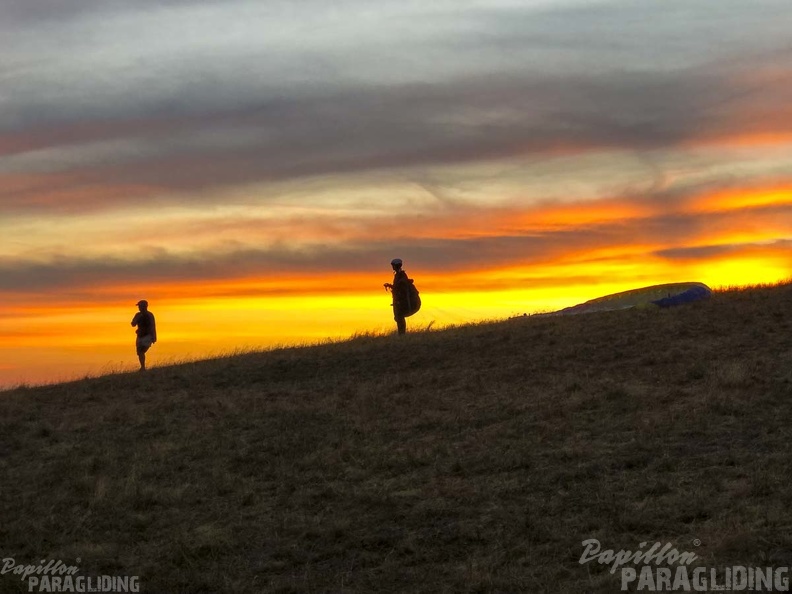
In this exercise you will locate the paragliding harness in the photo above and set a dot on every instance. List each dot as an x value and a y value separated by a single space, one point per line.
412 298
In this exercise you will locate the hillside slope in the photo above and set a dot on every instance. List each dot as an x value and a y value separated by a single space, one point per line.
466 460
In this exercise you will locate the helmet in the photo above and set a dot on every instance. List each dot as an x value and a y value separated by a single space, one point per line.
396 262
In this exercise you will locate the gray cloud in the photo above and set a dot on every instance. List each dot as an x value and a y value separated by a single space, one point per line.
438 255
174 96
372 128
713 251
76 61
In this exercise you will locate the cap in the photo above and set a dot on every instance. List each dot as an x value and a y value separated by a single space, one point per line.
142 302
396 262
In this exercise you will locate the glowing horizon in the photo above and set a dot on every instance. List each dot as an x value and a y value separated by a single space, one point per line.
87 332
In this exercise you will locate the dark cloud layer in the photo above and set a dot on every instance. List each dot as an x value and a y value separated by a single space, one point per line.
497 81
376 128
720 251
436 255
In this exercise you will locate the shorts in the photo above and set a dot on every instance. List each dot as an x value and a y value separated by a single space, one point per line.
143 343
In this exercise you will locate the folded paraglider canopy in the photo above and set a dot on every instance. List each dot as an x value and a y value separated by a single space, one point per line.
657 295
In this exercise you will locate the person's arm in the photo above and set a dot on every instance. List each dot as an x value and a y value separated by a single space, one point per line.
135 319
153 329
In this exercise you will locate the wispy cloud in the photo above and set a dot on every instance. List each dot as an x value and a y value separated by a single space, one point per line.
667 225
381 129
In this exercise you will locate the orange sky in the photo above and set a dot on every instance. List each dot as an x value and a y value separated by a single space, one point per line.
253 177
739 237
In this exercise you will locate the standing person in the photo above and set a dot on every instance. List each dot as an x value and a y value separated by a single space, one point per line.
146 331
400 289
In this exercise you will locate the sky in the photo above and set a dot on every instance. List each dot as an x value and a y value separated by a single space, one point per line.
251 168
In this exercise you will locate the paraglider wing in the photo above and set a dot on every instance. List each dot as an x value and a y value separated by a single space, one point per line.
658 295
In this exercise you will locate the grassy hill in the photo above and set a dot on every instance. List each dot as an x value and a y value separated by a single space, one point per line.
474 459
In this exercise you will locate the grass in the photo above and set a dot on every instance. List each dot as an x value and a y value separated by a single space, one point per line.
472 459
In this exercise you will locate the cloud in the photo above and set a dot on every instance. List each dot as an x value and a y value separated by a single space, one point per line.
152 104
168 59
669 226
373 129
708 252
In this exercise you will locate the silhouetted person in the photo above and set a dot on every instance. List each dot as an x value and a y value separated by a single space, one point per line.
146 331
401 296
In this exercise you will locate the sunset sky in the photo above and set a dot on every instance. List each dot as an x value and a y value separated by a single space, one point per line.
251 167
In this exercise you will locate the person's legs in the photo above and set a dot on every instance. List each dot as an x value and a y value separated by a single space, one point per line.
142 345
401 324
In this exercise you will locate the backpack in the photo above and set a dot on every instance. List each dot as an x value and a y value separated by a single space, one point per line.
413 299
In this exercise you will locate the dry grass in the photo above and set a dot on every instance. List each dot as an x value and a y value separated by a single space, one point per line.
474 459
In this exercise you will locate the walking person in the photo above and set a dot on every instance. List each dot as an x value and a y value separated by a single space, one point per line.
146 331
